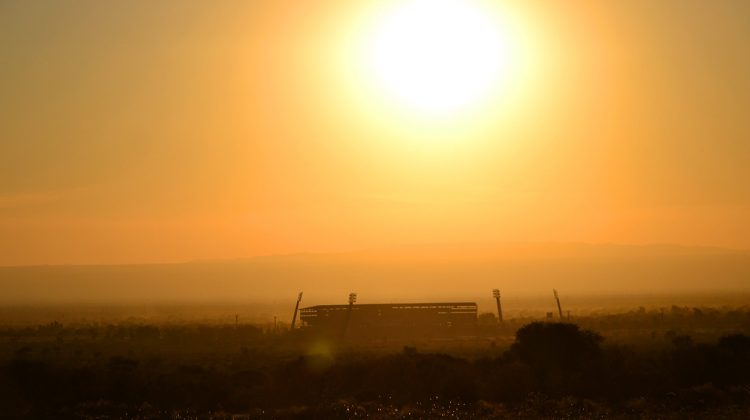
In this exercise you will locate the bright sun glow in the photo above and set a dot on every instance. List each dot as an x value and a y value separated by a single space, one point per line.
437 55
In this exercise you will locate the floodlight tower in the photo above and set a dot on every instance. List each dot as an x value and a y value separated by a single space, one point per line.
496 295
352 299
296 309
557 298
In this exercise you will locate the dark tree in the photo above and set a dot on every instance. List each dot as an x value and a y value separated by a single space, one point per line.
555 346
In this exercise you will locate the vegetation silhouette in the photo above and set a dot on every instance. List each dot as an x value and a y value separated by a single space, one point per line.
543 370
556 346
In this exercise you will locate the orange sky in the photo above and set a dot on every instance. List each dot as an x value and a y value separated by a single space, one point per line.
170 131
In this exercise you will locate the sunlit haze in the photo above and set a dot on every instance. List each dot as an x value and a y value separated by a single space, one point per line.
137 132
340 209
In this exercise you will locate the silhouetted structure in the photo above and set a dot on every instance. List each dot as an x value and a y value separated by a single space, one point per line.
296 309
557 299
352 300
392 318
496 295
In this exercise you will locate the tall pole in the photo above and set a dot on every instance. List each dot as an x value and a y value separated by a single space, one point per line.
496 295
296 308
557 298
352 299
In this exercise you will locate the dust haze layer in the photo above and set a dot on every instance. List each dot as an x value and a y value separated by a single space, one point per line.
415 273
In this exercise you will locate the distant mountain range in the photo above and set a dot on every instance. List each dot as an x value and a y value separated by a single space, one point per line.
399 273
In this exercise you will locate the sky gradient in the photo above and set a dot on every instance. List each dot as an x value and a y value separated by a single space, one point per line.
135 132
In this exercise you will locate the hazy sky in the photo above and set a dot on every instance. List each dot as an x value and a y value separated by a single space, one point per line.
145 131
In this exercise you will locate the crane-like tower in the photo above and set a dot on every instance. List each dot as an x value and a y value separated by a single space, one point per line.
296 309
557 298
496 295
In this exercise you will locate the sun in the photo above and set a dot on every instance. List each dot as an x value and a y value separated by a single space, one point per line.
437 56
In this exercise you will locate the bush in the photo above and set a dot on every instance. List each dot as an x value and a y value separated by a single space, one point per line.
555 346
